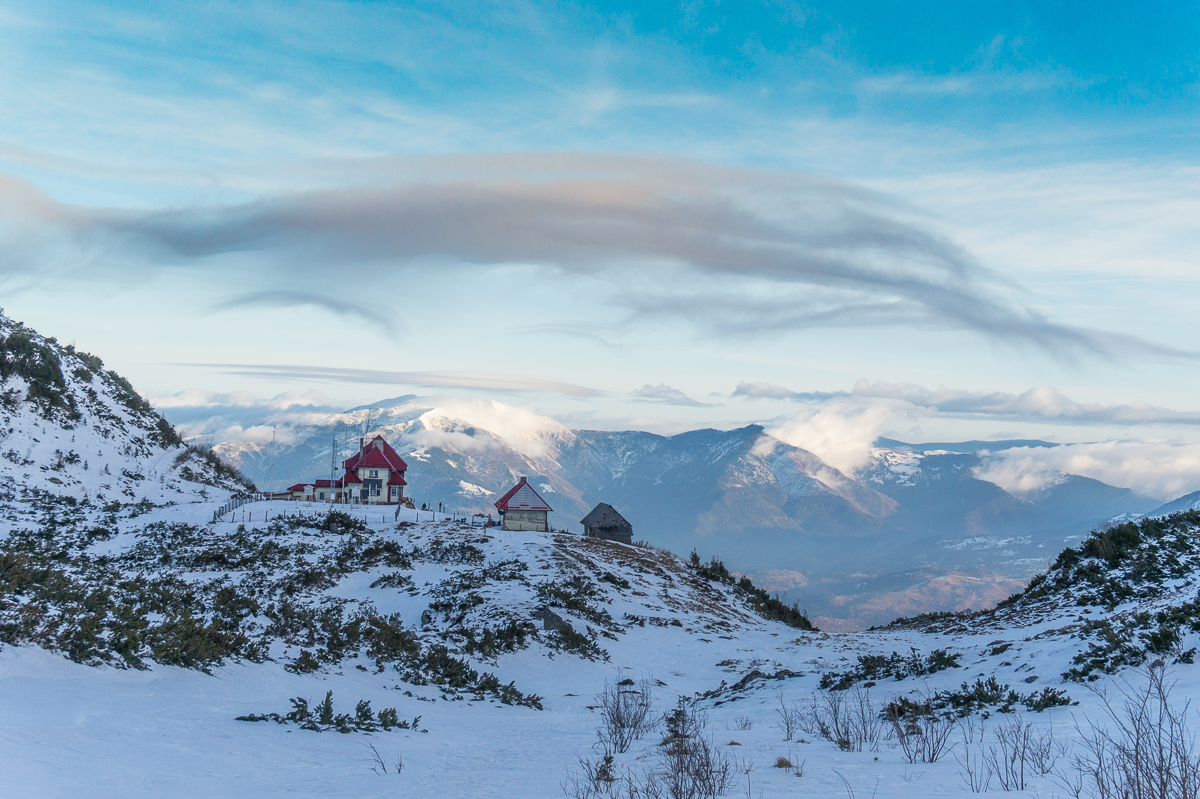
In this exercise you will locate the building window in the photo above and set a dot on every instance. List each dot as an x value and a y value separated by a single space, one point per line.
321 495
374 473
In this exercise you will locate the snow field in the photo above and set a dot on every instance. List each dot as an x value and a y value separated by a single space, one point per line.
72 730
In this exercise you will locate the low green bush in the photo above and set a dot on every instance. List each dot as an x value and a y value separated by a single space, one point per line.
322 718
879 667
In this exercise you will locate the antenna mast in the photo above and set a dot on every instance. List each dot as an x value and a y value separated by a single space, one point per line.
332 463
271 471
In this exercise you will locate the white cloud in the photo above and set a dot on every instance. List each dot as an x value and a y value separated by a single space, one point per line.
841 433
255 434
729 250
443 421
1042 403
200 398
239 415
521 428
1159 469
488 381
664 394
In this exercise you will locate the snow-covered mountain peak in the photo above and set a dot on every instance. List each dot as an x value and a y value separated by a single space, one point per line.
892 465
452 423
1185 503
521 429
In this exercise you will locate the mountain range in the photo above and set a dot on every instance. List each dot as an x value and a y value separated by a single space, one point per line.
915 529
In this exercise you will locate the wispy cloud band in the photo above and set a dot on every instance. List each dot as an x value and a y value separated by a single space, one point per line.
1037 404
759 251
291 298
490 381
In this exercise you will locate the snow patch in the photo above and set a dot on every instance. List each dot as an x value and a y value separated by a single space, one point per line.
472 490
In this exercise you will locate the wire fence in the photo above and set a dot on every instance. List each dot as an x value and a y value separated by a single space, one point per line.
365 510
235 502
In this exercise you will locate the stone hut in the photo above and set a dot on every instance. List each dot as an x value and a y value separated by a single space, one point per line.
605 522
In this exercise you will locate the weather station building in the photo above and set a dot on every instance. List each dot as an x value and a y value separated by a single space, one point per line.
522 508
374 476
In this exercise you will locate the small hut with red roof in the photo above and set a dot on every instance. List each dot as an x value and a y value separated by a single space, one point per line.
374 475
522 508
316 491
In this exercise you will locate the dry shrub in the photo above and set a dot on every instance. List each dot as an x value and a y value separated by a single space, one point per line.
847 718
1143 749
692 766
1009 759
789 716
625 713
1019 752
922 735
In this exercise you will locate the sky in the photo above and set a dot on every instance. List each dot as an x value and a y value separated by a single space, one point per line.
931 220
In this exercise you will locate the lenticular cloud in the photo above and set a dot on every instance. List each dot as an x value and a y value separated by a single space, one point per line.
734 251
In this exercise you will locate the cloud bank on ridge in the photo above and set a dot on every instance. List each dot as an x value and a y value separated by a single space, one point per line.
1042 403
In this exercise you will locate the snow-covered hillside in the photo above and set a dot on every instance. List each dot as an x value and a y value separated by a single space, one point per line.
494 650
1128 594
71 428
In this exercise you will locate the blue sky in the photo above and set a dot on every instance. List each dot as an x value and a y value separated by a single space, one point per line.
653 215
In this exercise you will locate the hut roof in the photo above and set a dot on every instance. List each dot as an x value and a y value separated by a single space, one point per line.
604 515
522 497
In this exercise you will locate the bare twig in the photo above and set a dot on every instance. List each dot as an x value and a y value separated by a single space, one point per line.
1145 750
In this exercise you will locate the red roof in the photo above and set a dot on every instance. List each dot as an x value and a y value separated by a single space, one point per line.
522 497
319 484
377 454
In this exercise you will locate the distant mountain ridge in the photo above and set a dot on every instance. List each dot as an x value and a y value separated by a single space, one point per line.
920 519
964 447
1185 503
